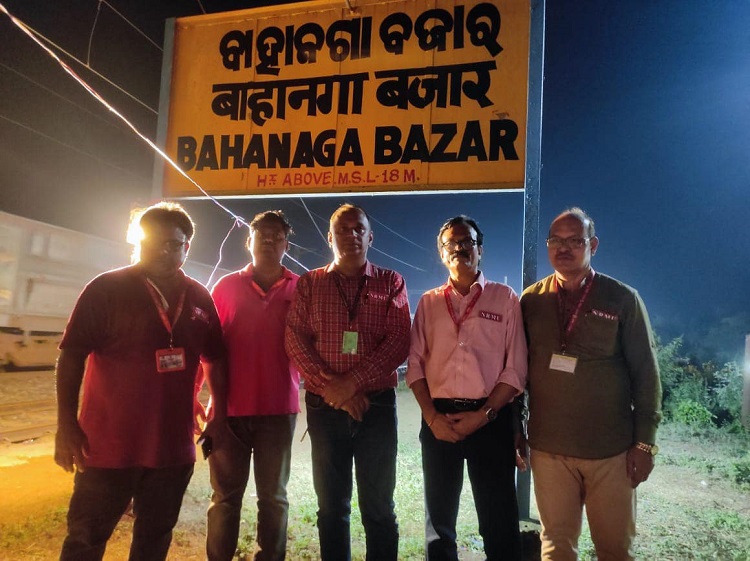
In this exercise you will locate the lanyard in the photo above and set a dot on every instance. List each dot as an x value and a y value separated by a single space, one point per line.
457 322
161 306
565 330
352 308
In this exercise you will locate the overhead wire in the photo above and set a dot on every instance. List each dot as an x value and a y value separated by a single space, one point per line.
395 233
83 152
35 35
310 214
60 96
397 259
91 35
131 24
32 35
325 239
31 32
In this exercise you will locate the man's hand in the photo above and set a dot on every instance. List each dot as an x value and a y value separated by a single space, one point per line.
71 447
338 389
468 422
357 406
444 428
200 416
639 465
522 451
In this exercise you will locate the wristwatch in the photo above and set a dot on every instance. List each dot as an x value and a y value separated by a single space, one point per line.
490 413
652 449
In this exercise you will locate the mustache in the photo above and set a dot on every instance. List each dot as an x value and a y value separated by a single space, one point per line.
460 253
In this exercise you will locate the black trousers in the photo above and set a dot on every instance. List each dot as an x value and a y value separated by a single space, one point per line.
489 455
100 497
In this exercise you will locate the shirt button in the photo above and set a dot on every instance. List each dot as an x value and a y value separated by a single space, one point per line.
461 344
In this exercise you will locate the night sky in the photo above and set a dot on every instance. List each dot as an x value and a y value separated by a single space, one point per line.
646 125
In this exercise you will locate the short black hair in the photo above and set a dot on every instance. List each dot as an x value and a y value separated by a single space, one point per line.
275 216
456 220
167 213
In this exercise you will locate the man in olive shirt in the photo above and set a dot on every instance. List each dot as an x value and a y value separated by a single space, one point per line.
594 397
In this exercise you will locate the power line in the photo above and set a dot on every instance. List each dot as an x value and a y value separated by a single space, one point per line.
60 142
58 47
394 232
91 35
325 240
60 96
372 247
307 249
397 259
32 34
131 24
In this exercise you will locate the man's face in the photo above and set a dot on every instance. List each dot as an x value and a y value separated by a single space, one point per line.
568 259
350 236
268 243
164 249
459 251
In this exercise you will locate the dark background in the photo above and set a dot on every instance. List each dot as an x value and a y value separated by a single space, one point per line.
646 125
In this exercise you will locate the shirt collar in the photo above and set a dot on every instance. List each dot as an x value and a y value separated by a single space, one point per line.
248 272
480 282
369 268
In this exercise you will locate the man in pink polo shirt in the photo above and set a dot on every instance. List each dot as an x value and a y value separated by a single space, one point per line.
467 362
255 415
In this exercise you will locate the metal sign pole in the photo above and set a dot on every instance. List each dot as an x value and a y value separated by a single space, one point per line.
531 191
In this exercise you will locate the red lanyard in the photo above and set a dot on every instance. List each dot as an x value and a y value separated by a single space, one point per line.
160 302
565 330
457 322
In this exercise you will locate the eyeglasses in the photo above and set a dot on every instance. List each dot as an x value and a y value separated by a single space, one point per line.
455 245
172 246
571 243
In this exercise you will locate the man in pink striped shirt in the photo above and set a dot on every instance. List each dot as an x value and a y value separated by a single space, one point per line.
347 331
466 364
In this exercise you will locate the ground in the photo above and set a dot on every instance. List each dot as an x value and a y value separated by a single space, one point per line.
687 509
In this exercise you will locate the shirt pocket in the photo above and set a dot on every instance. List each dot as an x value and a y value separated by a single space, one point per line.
598 335
487 330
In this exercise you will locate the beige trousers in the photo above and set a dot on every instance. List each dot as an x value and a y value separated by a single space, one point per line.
564 485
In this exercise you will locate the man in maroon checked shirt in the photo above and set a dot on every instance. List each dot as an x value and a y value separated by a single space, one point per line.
347 331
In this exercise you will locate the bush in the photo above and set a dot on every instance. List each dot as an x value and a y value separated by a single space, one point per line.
700 395
741 471
693 414
726 395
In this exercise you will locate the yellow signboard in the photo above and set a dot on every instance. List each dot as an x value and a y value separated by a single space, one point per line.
315 98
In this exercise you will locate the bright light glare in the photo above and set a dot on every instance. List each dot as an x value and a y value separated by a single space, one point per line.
135 234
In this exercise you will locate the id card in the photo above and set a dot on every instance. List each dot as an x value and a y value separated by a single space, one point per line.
563 363
349 343
170 360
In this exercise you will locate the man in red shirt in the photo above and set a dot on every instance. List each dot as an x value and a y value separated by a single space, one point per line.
347 331
138 333
255 416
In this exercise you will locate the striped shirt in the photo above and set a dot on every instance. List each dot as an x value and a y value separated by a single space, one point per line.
320 314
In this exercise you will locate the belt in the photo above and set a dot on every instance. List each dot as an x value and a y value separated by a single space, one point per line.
383 397
457 405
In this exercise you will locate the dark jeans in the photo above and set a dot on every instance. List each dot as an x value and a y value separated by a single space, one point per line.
337 439
490 457
269 438
100 497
